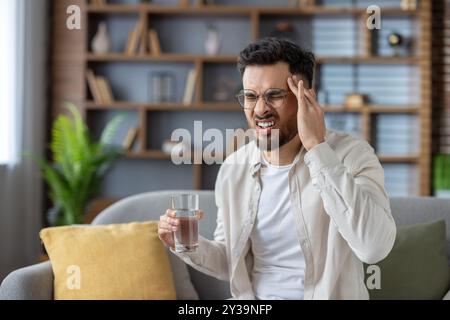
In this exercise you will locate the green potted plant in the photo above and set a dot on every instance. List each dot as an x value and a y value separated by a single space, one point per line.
441 175
78 166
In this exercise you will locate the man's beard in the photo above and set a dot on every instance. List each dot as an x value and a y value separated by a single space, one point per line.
278 137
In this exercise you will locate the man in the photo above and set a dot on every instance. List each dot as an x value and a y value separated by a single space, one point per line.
298 225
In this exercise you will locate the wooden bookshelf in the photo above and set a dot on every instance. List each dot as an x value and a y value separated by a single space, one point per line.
71 58
119 57
212 106
234 10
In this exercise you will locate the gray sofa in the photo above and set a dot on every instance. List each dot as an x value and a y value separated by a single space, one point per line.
36 282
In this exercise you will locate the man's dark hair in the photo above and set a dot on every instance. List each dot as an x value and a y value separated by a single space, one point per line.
271 50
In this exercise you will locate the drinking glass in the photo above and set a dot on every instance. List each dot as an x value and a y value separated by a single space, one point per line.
186 207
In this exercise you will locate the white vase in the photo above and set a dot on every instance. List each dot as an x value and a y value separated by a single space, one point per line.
212 42
101 42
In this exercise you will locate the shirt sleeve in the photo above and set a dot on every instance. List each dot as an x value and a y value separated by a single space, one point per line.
353 194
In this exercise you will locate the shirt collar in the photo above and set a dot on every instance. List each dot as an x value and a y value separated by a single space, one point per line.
256 158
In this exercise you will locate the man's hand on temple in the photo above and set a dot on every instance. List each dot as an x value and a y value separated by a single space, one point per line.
310 115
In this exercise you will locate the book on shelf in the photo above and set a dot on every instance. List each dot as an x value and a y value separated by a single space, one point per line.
99 87
94 86
105 90
130 138
154 44
190 87
134 39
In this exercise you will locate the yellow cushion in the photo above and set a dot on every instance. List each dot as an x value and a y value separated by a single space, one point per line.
121 261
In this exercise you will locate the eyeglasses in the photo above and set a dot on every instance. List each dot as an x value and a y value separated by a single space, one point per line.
273 97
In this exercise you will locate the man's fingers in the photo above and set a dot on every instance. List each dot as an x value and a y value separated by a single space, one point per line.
301 95
292 85
169 220
200 214
167 226
170 213
309 97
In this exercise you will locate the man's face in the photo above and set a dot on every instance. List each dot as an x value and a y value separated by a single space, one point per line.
263 117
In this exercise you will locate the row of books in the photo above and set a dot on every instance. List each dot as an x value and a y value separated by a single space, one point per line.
100 88
142 41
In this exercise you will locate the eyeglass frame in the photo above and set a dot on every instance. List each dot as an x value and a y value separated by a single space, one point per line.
264 94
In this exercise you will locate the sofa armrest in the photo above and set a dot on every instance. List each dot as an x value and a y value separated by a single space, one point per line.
30 283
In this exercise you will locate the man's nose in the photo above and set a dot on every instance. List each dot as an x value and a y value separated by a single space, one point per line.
261 107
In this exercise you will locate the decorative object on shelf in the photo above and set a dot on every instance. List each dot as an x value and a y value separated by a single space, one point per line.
225 89
101 43
395 40
441 175
175 147
212 41
408 4
355 100
284 30
162 86
79 165
130 138
190 87
154 44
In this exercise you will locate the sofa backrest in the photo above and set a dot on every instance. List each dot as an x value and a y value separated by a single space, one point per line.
151 205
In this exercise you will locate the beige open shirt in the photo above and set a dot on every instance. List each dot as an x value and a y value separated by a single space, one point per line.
341 212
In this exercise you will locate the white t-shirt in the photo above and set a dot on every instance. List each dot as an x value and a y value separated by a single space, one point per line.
279 265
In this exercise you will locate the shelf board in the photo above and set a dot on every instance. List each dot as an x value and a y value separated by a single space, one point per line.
158 154
210 106
369 59
174 57
398 159
372 108
148 154
231 106
234 10
392 109
170 57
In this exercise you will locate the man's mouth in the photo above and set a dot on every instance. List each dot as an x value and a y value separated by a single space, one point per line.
265 125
